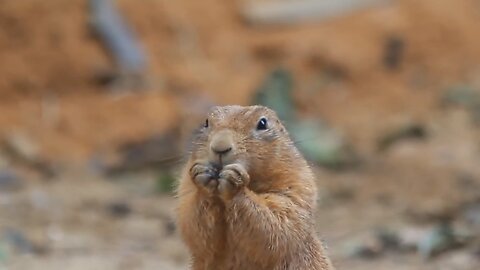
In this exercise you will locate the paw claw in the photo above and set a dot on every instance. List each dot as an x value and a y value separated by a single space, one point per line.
231 179
203 177
226 184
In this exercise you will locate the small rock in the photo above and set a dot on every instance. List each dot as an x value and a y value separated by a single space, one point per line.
119 209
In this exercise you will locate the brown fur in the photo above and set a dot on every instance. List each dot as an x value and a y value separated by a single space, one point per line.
252 208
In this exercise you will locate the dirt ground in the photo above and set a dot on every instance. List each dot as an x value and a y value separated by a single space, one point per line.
80 219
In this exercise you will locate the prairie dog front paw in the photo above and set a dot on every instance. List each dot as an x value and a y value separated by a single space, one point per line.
232 178
204 177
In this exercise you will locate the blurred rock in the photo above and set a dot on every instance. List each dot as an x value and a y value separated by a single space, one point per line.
170 227
55 233
440 238
3 252
42 201
465 96
119 209
322 145
121 43
393 52
471 213
105 77
476 251
50 110
410 131
409 238
292 12
339 194
275 92
165 182
328 70
158 151
21 149
21 146
17 240
9 181
428 242
368 247
268 53
468 182
315 140
461 260
374 244
433 212
364 251
389 239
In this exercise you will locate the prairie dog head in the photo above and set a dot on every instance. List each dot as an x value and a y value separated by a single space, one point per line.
252 136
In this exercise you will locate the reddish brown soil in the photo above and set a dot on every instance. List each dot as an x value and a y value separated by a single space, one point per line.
48 56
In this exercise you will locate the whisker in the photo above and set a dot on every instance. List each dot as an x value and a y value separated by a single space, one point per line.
171 158
179 195
248 137
296 142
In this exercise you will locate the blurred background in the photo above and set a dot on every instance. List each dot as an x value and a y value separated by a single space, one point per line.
98 98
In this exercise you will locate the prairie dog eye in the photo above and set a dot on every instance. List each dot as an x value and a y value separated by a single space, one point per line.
262 124
206 123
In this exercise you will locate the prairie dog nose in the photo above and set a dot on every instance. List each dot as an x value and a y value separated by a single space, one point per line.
222 142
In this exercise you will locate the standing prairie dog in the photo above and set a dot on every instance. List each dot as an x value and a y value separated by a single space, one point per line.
247 196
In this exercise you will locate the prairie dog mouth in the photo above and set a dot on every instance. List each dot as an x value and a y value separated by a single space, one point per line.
219 161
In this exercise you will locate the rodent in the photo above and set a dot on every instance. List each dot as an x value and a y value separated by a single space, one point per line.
246 196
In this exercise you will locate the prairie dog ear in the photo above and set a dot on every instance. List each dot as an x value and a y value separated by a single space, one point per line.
206 125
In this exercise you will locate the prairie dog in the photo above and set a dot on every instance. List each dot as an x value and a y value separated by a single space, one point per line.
246 196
